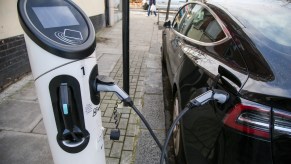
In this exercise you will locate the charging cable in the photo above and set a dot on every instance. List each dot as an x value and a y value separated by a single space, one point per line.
214 94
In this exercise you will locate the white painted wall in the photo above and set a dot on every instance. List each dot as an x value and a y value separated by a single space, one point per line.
9 23
91 7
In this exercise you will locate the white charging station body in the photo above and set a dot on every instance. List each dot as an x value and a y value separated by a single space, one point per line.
60 41
45 67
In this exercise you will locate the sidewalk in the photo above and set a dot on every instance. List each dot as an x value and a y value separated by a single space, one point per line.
22 135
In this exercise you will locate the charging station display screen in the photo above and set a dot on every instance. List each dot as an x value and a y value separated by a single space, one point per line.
58 16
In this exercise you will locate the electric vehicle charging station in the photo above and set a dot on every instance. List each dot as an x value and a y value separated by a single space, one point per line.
61 43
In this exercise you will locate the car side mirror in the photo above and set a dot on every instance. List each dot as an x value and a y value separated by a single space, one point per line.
167 24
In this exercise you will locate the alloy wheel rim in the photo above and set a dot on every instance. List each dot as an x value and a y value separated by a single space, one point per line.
176 132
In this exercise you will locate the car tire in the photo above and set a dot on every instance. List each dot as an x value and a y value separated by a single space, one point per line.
177 133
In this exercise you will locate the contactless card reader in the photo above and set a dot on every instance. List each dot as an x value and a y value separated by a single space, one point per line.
61 43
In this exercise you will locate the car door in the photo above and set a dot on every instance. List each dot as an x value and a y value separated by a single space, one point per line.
209 50
174 41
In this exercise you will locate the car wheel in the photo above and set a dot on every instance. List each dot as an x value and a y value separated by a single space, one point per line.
177 133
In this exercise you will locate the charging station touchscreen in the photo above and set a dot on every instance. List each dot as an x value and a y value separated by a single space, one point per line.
59 16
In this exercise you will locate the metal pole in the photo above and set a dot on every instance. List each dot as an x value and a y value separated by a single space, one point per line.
168 9
125 44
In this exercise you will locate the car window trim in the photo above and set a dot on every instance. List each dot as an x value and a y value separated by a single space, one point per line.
222 26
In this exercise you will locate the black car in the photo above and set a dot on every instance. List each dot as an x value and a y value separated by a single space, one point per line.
244 48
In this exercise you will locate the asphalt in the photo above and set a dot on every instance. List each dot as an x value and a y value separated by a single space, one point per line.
22 133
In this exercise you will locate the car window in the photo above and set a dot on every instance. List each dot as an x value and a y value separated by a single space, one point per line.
196 22
232 57
183 18
204 27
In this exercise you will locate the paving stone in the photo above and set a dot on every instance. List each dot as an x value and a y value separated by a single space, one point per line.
107 142
111 105
128 143
112 161
107 152
138 95
132 130
108 112
121 138
125 116
140 83
122 132
116 150
105 119
39 129
140 88
103 106
109 125
110 94
107 97
110 62
133 118
19 115
28 93
137 101
24 148
123 123
126 157
125 110
109 101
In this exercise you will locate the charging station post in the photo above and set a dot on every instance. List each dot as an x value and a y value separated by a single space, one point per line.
61 42
125 44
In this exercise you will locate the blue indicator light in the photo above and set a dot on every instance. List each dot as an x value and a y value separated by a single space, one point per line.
65 109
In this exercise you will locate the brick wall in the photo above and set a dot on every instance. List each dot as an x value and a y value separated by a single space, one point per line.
14 62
